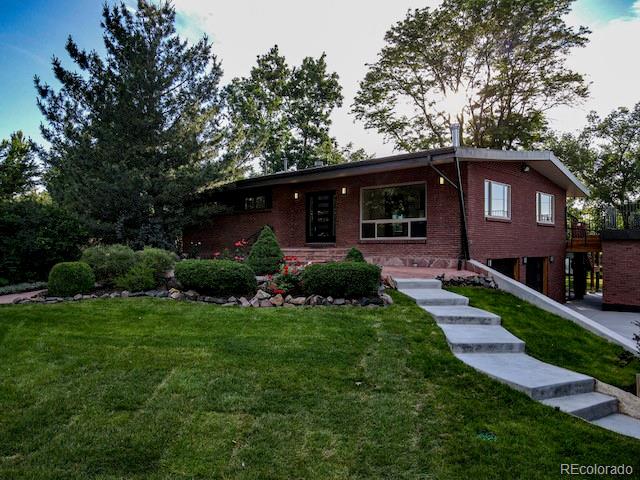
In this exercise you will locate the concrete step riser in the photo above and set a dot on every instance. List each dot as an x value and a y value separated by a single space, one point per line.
487 347
418 283
562 390
600 410
443 301
466 321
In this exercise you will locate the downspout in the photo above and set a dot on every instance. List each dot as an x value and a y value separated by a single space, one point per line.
464 238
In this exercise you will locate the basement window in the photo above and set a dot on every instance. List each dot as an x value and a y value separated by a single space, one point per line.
393 212
497 200
545 208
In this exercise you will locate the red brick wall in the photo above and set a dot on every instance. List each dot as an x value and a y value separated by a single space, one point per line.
621 263
522 236
488 239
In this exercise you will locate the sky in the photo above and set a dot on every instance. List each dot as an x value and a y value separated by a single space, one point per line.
351 32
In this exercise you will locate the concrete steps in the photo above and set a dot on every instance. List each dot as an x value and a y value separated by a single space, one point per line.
461 314
481 339
590 406
476 337
413 283
316 255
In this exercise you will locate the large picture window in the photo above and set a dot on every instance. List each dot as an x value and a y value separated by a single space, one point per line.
545 208
497 200
394 211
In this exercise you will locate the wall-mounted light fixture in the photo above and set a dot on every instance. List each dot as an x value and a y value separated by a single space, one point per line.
525 168
441 180
343 190
489 262
296 195
524 260
551 259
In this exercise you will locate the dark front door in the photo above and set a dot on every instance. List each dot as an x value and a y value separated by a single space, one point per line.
321 217
536 273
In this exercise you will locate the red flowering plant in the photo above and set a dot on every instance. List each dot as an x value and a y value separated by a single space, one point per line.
289 278
238 253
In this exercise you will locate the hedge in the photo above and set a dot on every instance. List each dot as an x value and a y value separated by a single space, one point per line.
265 256
354 255
139 278
159 260
216 277
70 278
109 261
341 279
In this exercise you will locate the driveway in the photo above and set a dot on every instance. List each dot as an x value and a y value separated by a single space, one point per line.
620 322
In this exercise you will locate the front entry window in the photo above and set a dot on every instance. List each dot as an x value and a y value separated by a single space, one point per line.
394 211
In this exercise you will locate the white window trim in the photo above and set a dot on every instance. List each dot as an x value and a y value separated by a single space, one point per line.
496 217
553 208
385 221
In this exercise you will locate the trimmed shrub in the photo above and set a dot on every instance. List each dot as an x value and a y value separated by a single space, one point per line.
69 278
265 256
3 282
341 279
159 260
139 278
354 255
109 261
216 277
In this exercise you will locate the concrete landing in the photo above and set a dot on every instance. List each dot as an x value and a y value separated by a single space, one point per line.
481 339
434 296
462 314
537 379
621 424
589 406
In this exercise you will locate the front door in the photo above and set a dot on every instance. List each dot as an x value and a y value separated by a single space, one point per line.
321 217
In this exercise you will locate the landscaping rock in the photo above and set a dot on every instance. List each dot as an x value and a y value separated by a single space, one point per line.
329 300
339 301
191 295
124 294
77 297
151 293
262 295
229 304
177 295
386 298
254 302
289 305
114 295
277 300
364 301
136 294
162 294
376 301
244 302
266 303
288 299
299 301
233 300
219 300
105 295
389 282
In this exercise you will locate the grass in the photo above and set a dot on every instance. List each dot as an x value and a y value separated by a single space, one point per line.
558 341
146 388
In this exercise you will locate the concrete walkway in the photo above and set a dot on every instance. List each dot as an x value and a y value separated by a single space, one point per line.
6 299
477 338
622 323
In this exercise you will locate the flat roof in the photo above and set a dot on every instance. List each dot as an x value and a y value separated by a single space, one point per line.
543 161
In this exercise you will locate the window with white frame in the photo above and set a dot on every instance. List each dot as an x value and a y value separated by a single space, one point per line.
545 207
393 211
497 200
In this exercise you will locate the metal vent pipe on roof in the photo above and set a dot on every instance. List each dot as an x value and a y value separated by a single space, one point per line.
455 134
318 163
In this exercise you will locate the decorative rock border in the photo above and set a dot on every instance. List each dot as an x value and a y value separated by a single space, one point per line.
473 281
262 299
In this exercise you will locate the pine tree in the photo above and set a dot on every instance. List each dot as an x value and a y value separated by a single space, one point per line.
133 134
265 256
18 167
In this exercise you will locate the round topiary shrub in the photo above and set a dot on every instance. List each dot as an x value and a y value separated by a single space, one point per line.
70 278
341 279
354 255
139 278
216 277
109 261
265 256
160 261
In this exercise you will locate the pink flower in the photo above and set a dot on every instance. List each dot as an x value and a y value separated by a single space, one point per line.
216 254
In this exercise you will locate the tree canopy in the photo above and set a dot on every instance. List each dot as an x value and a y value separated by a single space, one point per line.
493 66
281 114
133 134
18 168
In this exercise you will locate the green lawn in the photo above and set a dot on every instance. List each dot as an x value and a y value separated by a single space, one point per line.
556 340
146 388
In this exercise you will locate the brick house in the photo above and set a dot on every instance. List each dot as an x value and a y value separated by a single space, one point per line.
433 208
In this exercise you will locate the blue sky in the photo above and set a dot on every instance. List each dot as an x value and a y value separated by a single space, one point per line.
32 31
